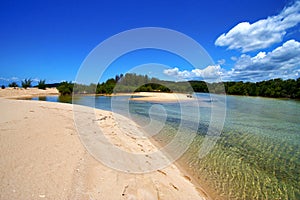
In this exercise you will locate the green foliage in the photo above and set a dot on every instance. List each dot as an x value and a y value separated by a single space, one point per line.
42 84
199 86
109 86
276 88
26 83
65 88
13 84
131 82
2 87
152 87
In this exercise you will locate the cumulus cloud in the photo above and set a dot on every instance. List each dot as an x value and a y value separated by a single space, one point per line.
282 62
283 57
175 72
209 73
263 33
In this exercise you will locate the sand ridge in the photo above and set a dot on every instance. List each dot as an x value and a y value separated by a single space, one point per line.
10 92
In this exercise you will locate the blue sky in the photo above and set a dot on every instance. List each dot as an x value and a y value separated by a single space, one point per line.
248 40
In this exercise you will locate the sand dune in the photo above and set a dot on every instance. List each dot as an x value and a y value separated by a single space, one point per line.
29 92
42 158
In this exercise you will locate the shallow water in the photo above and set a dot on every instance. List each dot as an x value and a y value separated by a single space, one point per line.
257 156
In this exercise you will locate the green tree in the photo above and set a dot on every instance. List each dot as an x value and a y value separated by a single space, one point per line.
13 84
42 84
110 85
65 88
26 83
100 88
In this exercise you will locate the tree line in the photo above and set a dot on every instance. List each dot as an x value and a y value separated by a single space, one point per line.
131 82
276 88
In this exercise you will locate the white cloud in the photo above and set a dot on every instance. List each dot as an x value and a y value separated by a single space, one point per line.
3 79
221 62
15 78
282 62
263 33
175 72
233 58
210 73
283 57
36 80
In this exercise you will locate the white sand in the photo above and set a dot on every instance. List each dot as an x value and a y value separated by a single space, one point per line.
42 158
161 97
29 92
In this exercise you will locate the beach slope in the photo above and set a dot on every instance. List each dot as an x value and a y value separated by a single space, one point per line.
42 158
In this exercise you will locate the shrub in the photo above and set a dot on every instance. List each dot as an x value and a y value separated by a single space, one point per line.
3 87
13 84
65 88
42 84
26 83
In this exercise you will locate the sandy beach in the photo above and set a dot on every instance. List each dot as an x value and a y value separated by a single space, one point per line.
29 92
42 157
158 96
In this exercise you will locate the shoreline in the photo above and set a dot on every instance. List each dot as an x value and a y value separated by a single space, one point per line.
17 93
155 97
169 182
162 97
186 174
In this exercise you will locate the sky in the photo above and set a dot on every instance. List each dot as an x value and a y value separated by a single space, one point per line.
247 40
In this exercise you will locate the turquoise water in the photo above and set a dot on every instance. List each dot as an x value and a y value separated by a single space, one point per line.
257 156
258 153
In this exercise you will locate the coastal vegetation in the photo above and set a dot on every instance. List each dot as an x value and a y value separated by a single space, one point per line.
276 88
13 84
65 88
42 84
26 83
131 82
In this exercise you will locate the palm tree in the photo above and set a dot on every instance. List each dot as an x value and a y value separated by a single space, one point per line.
42 84
26 83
